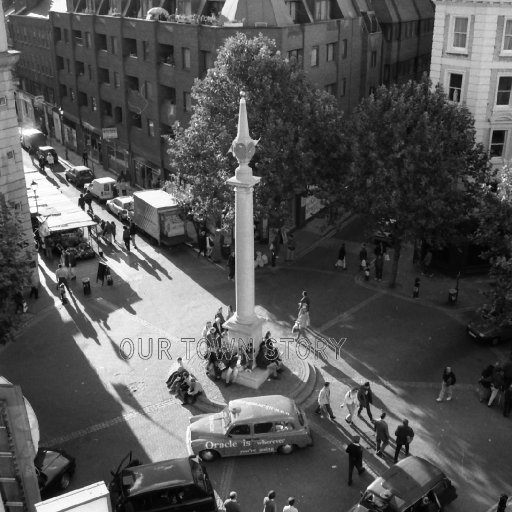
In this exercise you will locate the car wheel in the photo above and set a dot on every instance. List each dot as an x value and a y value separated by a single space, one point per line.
209 455
495 341
286 449
64 481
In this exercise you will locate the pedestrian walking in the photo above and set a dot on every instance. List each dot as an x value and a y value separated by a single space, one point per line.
201 242
126 238
342 254
379 266
107 231
404 436
302 322
231 266
34 287
50 161
81 202
133 232
363 257
269 503
19 301
61 275
350 403
85 157
273 253
498 383
324 401
355 458
447 384
231 504
382 434
485 382
113 230
42 162
290 248
291 506
88 200
365 398
416 288
304 300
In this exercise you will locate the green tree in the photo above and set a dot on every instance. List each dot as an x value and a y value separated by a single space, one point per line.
416 163
298 127
14 267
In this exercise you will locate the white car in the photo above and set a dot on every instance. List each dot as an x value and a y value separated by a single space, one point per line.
121 207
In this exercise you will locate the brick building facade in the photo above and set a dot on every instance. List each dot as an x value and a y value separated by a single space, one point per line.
119 66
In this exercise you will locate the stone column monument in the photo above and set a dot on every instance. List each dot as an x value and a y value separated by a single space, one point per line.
245 326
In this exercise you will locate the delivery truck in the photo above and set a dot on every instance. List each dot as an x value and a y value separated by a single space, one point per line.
158 214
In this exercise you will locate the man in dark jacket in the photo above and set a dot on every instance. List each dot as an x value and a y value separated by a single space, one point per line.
382 434
133 232
355 458
365 397
404 435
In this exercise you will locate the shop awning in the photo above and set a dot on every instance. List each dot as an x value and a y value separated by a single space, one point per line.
66 222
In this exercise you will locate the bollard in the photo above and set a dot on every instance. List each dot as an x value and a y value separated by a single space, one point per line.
86 283
452 295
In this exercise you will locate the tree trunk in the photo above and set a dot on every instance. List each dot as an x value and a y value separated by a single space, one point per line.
397 248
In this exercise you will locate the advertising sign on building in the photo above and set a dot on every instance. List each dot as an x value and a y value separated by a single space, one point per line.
109 133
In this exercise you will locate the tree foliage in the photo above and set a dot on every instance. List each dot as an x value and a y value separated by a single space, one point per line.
415 161
298 127
14 266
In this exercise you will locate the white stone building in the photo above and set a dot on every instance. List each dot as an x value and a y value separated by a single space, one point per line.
13 188
472 60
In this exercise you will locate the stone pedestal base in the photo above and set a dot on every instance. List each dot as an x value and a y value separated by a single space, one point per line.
241 334
253 379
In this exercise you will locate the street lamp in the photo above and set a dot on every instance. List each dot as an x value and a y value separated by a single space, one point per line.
33 186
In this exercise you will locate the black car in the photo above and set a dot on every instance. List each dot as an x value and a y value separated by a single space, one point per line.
54 469
79 175
487 330
170 485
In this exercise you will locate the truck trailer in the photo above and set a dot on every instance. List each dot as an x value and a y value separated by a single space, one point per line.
157 214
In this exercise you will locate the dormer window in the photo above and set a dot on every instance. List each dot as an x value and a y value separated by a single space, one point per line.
322 10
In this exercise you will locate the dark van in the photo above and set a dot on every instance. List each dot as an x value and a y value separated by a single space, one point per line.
176 485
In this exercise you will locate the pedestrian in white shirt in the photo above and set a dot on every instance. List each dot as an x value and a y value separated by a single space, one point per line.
290 507
324 401
351 403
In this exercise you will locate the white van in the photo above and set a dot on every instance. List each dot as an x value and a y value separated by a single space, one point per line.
101 188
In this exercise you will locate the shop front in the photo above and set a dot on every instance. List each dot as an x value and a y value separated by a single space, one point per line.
92 143
117 156
147 175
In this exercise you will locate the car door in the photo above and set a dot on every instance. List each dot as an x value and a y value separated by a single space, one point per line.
266 439
238 439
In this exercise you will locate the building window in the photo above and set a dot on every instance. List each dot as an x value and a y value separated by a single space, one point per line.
184 7
89 70
343 87
455 87
322 10
507 36
77 36
497 148
187 102
504 90
72 94
151 128
101 42
3 101
94 105
145 49
293 10
87 39
295 57
114 45
373 61
460 33
314 56
148 90
344 48
117 81
66 35
205 63
136 119
185 53
331 89
331 52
